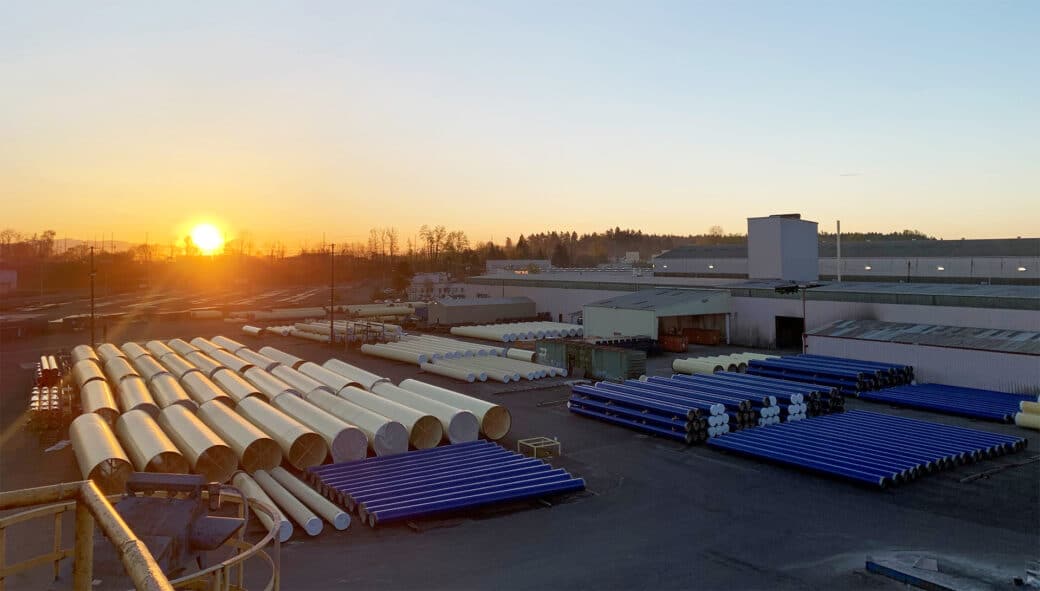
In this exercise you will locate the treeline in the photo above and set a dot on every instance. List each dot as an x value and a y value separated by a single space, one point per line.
382 258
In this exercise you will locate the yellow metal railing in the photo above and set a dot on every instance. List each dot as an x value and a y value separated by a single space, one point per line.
90 506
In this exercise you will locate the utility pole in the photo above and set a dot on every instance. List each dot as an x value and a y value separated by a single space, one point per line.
93 340
332 295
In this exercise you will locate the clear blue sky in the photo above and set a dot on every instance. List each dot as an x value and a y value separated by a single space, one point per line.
297 119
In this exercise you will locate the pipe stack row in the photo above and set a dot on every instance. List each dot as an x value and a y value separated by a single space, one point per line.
816 399
1029 414
736 362
423 483
346 330
869 448
851 376
988 405
519 331
463 360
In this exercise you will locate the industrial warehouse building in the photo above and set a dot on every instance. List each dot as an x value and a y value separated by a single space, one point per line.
779 300
655 312
1006 260
481 310
973 357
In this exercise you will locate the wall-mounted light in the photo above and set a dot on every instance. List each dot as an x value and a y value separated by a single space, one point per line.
867 268
713 266
940 268
1021 269
664 266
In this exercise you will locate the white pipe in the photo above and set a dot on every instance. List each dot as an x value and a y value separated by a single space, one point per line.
301 447
254 331
207 454
81 352
259 360
424 430
308 496
297 381
281 357
255 450
346 442
147 367
149 448
251 490
289 504
330 378
85 370
180 346
166 390
178 365
202 389
133 350
457 373
230 345
268 385
108 351
495 419
394 354
158 349
98 453
365 378
132 394
205 363
385 436
520 354
459 425
96 396
235 385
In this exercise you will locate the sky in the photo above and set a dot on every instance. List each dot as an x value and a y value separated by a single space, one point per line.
297 120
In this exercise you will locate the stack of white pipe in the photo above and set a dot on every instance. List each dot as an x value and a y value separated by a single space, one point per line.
706 365
501 369
519 331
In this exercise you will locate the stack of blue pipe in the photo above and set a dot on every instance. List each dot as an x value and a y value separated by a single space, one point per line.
671 412
452 477
818 399
850 376
869 448
966 402
695 408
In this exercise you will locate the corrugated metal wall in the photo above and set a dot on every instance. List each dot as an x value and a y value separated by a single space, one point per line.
959 367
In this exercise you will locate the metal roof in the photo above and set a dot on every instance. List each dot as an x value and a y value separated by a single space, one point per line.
996 247
984 339
659 299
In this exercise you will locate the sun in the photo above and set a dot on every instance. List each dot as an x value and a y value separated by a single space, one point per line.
207 238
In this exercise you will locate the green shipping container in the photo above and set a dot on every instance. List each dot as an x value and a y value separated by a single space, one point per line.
599 362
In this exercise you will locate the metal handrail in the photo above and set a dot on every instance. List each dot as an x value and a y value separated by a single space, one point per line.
83 548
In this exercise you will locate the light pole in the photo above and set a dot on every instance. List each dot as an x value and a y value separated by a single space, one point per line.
93 340
332 295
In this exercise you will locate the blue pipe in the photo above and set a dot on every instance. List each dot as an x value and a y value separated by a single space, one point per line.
490 456
728 442
520 492
684 437
917 400
690 389
697 384
396 497
639 401
632 414
504 482
402 457
655 389
463 469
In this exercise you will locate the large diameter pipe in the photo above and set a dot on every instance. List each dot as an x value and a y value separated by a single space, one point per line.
365 378
393 354
133 350
177 365
207 454
149 448
147 367
270 386
330 378
1027 420
495 420
202 389
132 394
262 361
308 496
98 453
166 390
108 351
520 354
158 349
346 442
253 331
298 381
458 373
84 352
254 449
228 344
181 346
459 425
86 370
117 368
281 357
1028 407
302 447
251 490
96 397
424 430
289 504
235 385
385 436
231 361
205 345
207 364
